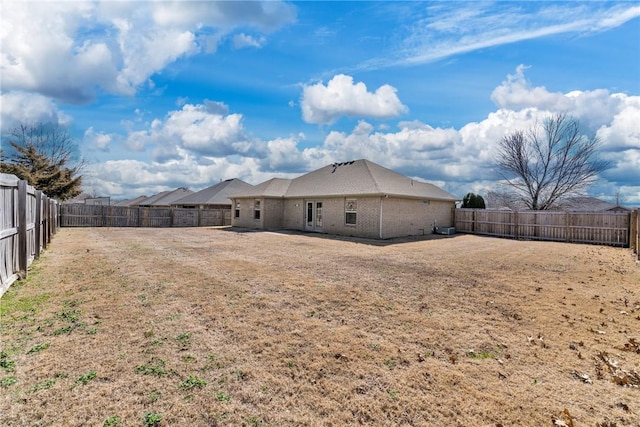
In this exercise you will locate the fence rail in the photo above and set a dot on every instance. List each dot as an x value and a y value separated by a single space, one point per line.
603 228
28 220
78 215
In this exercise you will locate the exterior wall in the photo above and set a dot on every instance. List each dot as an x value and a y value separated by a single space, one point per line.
407 217
293 214
367 219
246 219
400 217
272 213
333 216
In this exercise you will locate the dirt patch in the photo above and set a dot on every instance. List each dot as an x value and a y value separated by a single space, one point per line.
212 326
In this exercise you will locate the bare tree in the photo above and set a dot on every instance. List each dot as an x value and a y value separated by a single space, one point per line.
500 199
549 161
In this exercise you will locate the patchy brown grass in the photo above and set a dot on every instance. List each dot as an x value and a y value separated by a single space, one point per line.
213 327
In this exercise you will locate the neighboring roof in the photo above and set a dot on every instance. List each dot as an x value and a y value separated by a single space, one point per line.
80 198
147 201
131 202
354 178
166 197
588 204
275 187
216 194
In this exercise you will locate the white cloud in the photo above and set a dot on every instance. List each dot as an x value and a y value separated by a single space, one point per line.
342 97
138 140
203 129
27 108
446 29
98 140
67 50
516 93
623 132
243 40
592 108
282 155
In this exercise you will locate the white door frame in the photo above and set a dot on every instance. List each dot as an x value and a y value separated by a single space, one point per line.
313 215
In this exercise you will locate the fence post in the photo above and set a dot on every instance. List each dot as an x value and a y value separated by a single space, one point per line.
53 218
45 221
473 224
38 223
637 237
632 231
23 256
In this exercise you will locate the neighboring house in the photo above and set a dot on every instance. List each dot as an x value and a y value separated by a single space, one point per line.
164 199
79 199
130 202
356 198
98 201
88 199
214 197
589 204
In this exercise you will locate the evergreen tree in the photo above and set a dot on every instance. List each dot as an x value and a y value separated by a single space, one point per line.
40 155
473 201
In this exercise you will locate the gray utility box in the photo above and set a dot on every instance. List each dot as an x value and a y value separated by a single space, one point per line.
445 230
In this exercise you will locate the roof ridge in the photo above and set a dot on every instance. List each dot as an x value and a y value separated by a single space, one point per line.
373 177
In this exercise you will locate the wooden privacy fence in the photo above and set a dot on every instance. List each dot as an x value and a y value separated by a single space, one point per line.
603 228
78 215
28 220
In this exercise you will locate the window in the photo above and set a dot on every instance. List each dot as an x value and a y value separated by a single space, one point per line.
256 209
237 214
350 209
309 214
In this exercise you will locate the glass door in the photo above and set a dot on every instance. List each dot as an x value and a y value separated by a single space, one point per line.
313 216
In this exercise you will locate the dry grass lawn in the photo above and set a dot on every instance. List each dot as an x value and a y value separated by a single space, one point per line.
221 327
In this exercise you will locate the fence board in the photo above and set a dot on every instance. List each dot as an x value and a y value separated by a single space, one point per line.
605 228
27 221
79 215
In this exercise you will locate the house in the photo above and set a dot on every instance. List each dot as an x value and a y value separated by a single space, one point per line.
214 197
98 201
79 199
164 199
130 202
589 204
356 198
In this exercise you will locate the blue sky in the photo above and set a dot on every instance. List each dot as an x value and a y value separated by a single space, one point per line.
167 94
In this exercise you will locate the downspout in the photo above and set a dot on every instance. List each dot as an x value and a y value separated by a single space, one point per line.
380 228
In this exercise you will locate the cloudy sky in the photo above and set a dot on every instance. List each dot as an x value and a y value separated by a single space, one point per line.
166 94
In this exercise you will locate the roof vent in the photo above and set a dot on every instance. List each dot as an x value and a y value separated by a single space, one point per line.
335 165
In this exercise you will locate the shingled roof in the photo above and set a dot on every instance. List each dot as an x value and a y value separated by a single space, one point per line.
216 194
275 187
131 202
354 178
165 198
